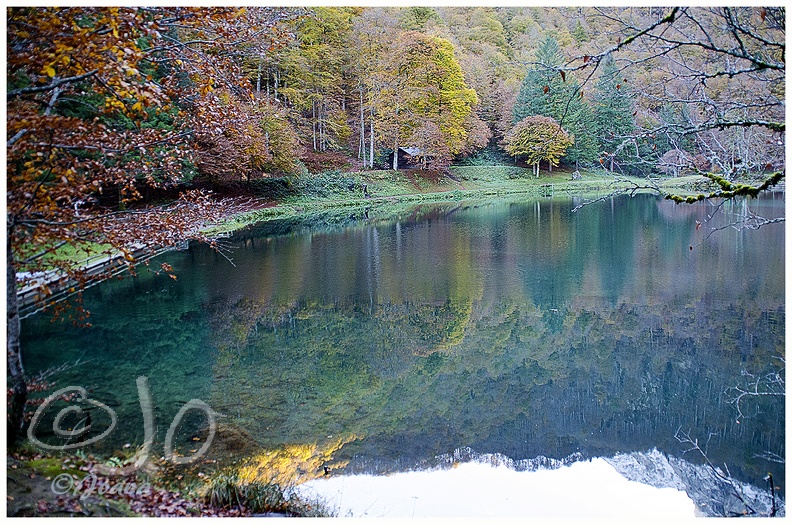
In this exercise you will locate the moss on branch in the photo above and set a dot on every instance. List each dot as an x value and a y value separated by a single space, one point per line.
729 189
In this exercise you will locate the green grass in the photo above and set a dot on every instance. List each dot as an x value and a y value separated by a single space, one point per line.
336 190
333 197
79 254
76 254
336 198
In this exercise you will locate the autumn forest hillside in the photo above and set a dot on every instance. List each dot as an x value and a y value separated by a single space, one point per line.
223 95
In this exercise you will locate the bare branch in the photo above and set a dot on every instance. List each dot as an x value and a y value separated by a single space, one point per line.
693 445
769 385
19 134
49 87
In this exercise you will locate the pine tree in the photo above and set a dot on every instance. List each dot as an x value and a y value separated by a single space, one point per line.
613 114
548 91
580 33
579 119
542 90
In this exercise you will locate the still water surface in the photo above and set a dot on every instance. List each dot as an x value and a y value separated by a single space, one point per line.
512 328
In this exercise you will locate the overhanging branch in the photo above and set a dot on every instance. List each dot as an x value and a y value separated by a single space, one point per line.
49 87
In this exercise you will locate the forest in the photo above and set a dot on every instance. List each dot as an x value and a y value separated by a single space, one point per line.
111 109
223 95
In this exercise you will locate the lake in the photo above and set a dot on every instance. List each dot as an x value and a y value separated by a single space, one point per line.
514 331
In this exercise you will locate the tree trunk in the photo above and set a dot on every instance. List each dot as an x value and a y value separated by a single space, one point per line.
16 411
396 142
258 79
396 155
323 124
313 123
371 138
362 149
325 139
319 126
55 94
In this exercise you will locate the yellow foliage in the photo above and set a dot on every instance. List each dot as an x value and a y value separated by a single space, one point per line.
292 464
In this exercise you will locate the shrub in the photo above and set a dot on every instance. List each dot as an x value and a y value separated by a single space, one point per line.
326 184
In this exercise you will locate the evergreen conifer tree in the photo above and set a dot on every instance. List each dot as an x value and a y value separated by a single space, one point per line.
548 91
613 114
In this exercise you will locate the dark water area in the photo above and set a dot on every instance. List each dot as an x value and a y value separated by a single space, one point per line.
518 328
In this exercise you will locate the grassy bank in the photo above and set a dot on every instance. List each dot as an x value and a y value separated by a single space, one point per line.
329 197
336 198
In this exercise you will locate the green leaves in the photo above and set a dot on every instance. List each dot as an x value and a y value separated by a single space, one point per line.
423 97
613 112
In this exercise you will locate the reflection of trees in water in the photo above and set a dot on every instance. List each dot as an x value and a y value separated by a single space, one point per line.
514 328
522 381
147 325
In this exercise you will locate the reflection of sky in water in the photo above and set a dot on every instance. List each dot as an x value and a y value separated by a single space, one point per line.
591 489
512 328
463 484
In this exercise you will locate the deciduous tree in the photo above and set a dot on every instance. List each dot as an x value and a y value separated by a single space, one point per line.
96 106
433 151
313 76
549 91
420 82
536 139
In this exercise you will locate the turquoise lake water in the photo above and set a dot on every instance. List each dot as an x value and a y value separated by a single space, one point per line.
518 328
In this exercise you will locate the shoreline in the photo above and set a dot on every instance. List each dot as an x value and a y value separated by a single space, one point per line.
343 197
288 217
510 181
